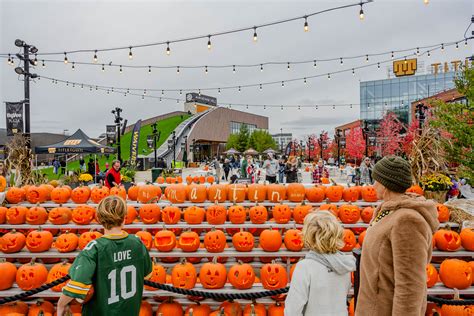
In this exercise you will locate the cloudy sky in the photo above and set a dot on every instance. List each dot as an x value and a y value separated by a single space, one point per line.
56 25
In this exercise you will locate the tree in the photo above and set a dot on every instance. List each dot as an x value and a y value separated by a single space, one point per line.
388 134
355 144
232 141
261 140
410 135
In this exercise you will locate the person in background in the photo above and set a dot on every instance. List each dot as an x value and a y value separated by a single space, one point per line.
366 171
90 167
243 168
226 168
56 166
217 166
350 173
320 171
271 169
113 177
251 169
281 170
232 162
82 163
291 170
63 166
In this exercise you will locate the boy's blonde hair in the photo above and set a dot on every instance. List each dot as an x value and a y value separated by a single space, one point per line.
322 232
111 211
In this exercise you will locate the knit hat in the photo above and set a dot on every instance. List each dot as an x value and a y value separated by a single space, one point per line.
394 173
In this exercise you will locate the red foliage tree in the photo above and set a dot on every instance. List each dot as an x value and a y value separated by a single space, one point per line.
355 144
388 134
410 135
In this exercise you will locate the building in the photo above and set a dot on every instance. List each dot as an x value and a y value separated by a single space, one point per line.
348 127
197 102
449 96
282 139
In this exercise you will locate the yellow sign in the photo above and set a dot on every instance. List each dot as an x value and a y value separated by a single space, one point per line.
405 67
446 67
72 142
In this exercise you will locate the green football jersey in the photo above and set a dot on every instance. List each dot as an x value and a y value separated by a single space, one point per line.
115 265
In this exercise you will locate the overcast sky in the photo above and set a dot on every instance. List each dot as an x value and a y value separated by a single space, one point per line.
69 25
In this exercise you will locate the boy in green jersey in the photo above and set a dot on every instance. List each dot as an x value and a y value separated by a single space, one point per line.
115 265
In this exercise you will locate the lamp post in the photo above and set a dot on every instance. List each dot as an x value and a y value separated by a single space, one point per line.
321 143
420 114
185 153
338 139
153 139
281 140
116 112
366 137
174 149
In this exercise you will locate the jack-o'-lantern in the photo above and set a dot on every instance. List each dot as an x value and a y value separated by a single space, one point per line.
196 193
349 241
165 240
132 193
443 213
39 240
369 194
98 193
81 194
189 241
15 195
131 215
8 271
184 275
362 237
15 309
148 193
216 214
367 213
60 195
31 275
456 274
329 207
243 241
276 193
215 241
236 192
431 275
36 215
119 191
176 193
158 275
83 214
146 238
37 194
58 271
447 240
217 193
149 213
257 192
300 212
60 215
315 194
350 194
334 192
237 214
293 240
12 241
66 242
171 215
295 192
455 310
241 276
467 239
349 214
16 215
273 276
270 240
281 213
194 215
258 214
213 275
87 237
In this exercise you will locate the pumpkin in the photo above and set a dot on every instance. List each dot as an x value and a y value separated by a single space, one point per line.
66 242
60 195
349 214
8 273
146 238
471 263
60 215
255 309
170 308
39 240
453 310
293 240
361 237
15 195
132 193
295 192
334 192
350 194
217 193
467 239
277 309
196 193
149 213
3 184
258 214
58 271
415 189
81 194
37 194
165 240
145 309
197 310
160 180
349 240
281 213
257 192
83 214
431 275
243 241
176 193
3 214
216 214
131 215
148 193
273 276
241 276
194 215
213 275
236 192
315 194
330 207
237 214
215 241
14 309
270 240
276 193
12 241
443 213
31 275
300 212
158 275
86 237
367 213
456 274
16 215
369 194
189 241
171 215
184 275
447 240
44 307
98 193
432 309
119 191
36 215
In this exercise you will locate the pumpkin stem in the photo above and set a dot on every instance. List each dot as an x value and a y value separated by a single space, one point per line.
456 294
241 229
182 260
32 262
190 312
240 262
214 260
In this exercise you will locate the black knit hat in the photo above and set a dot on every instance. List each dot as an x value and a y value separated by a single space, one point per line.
394 173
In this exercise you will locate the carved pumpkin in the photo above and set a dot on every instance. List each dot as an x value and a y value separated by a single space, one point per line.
66 242
300 212
56 272
36 215
98 193
60 195
12 241
431 275
367 213
415 189
215 241
39 240
455 273
293 240
276 193
170 308
447 240
241 276
146 238
258 214
189 241
217 193
184 275
8 273
369 194
176 193
295 192
281 213
243 241
149 213
148 193
467 239
257 192
60 215
158 275
315 194
31 275
349 214
350 194
330 207
86 237
213 275
334 192
270 240
194 215
119 191
237 214
15 195
255 309
216 214
132 193
3 214
131 215
14 309
443 213
349 241
165 240
3 184
273 276
81 195
362 237
196 193
453 310
16 215
37 194
83 214
236 193
171 215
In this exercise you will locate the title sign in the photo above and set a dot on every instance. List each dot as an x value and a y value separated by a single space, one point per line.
14 114
450 66
405 67
201 98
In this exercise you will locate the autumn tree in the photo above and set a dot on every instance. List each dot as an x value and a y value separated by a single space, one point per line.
388 134
355 144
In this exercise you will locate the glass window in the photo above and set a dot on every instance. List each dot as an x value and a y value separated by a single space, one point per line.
395 89
412 86
404 88
378 91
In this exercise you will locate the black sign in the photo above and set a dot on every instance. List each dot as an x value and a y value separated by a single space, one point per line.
14 118
201 98
110 133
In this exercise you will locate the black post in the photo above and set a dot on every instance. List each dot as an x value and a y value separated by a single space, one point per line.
154 126
321 144
338 139
309 149
301 150
281 140
26 62
174 149
116 112
420 109
357 254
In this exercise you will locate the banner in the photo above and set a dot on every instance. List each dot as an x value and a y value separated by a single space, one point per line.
134 142
14 111
110 134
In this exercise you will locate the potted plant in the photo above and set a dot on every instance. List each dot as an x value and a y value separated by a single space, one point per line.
71 180
85 179
436 186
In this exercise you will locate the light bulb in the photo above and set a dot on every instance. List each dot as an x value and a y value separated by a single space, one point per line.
304 81
168 51
329 76
378 65
353 72
306 27
95 57
288 66
366 58
417 51
426 2
103 69
282 83
149 69
342 62
209 46
206 70
162 92
239 89
35 61
361 13
255 34
429 54
261 67
219 90
261 87
314 63
457 45
233 69
73 67
120 69
442 47
392 55
65 58
130 55
465 42
177 70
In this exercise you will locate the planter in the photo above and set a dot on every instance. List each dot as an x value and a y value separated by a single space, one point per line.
439 196
127 185
74 185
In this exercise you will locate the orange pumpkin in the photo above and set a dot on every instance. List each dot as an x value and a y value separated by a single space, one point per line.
447 240
276 193
330 207
349 240
184 275
295 192
87 237
215 241
60 195
16 215
277 309
158 275
132 193
176 193
66 242
293 240
149 213
3 183
241 276
443 213
189 241
160 180
315 194
362 237
148 193
119 191
81 195
217 193
455 273
3 214
36 215
258 214
273 276
170 308
243 241
255 309
145 309
213 275
194 215
257 192
431 275
197 193
98 193
165 240
281 213
270 240
39 240
15 195
300 212
350 194
367 213
131 214
31 275
369 194
56 272
146 238
60 215
171 215
237 214
216 214
237 193
12 241
37 194
197 310
83 214
457 310
334 192
44 307
8 273
467 239
415 189
349 214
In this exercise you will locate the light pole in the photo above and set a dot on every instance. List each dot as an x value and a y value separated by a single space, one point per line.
338 139
321 140
118 119
281 140
420 113
309 148
153 139
366 136
185 153
172 142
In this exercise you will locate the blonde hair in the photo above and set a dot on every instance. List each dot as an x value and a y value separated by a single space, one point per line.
111 211
322 232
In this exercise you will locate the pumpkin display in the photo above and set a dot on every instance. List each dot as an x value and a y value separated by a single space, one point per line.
83 214
467 239
86 237
189 241
196 193
237 214
39 240
132 193
37 194
243 241
258 214
293 240
145 309
230 308
217 193
257 192
146 238
236 192
119 191
315 194
241 276
149 213
447 240
276 193
194 215
36 215
98 193
148 193
8 272
197 310
213 275
31 275
270 240
66 242
171 215
215 241
350 194
281 213
368 193
334 192
131 215
12 241
443 213
216 214
295 192
349 214
349 240
431 275
16 215
273 276
300 212
60 215
15 195
165 240
176 193
81 194
170 308
160 180
158 275
415 189
58 271
184 275
255 309
14 309
367 213
456 274
457 310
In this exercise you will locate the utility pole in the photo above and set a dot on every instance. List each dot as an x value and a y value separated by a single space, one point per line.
309 149
321 144
366 136
338 138
116 112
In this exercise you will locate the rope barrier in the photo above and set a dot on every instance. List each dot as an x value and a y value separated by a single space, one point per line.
444 301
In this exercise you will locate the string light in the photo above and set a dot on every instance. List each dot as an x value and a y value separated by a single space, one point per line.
73 67
299 107
261 67
120 69
144 91
177 70
260 87
282 84
9 61
342 62
162 92
161 100
306 28
417 51
209 46
353 72
442 47
304 80
465 42
168 51
247 106
426 2
264 107
103 69
143 97
429 54
233 69
368 105
282 107
457 46
206 70
351 106
288 66
378 65
329 76
219 90
65 58
130 55
149 69
317 107
366 58
35 61
333 107
43 64
361 13
255 34
180 92
314 63
392 55
95 57
240 89
199 91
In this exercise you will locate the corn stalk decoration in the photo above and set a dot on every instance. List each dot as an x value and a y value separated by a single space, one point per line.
18 161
